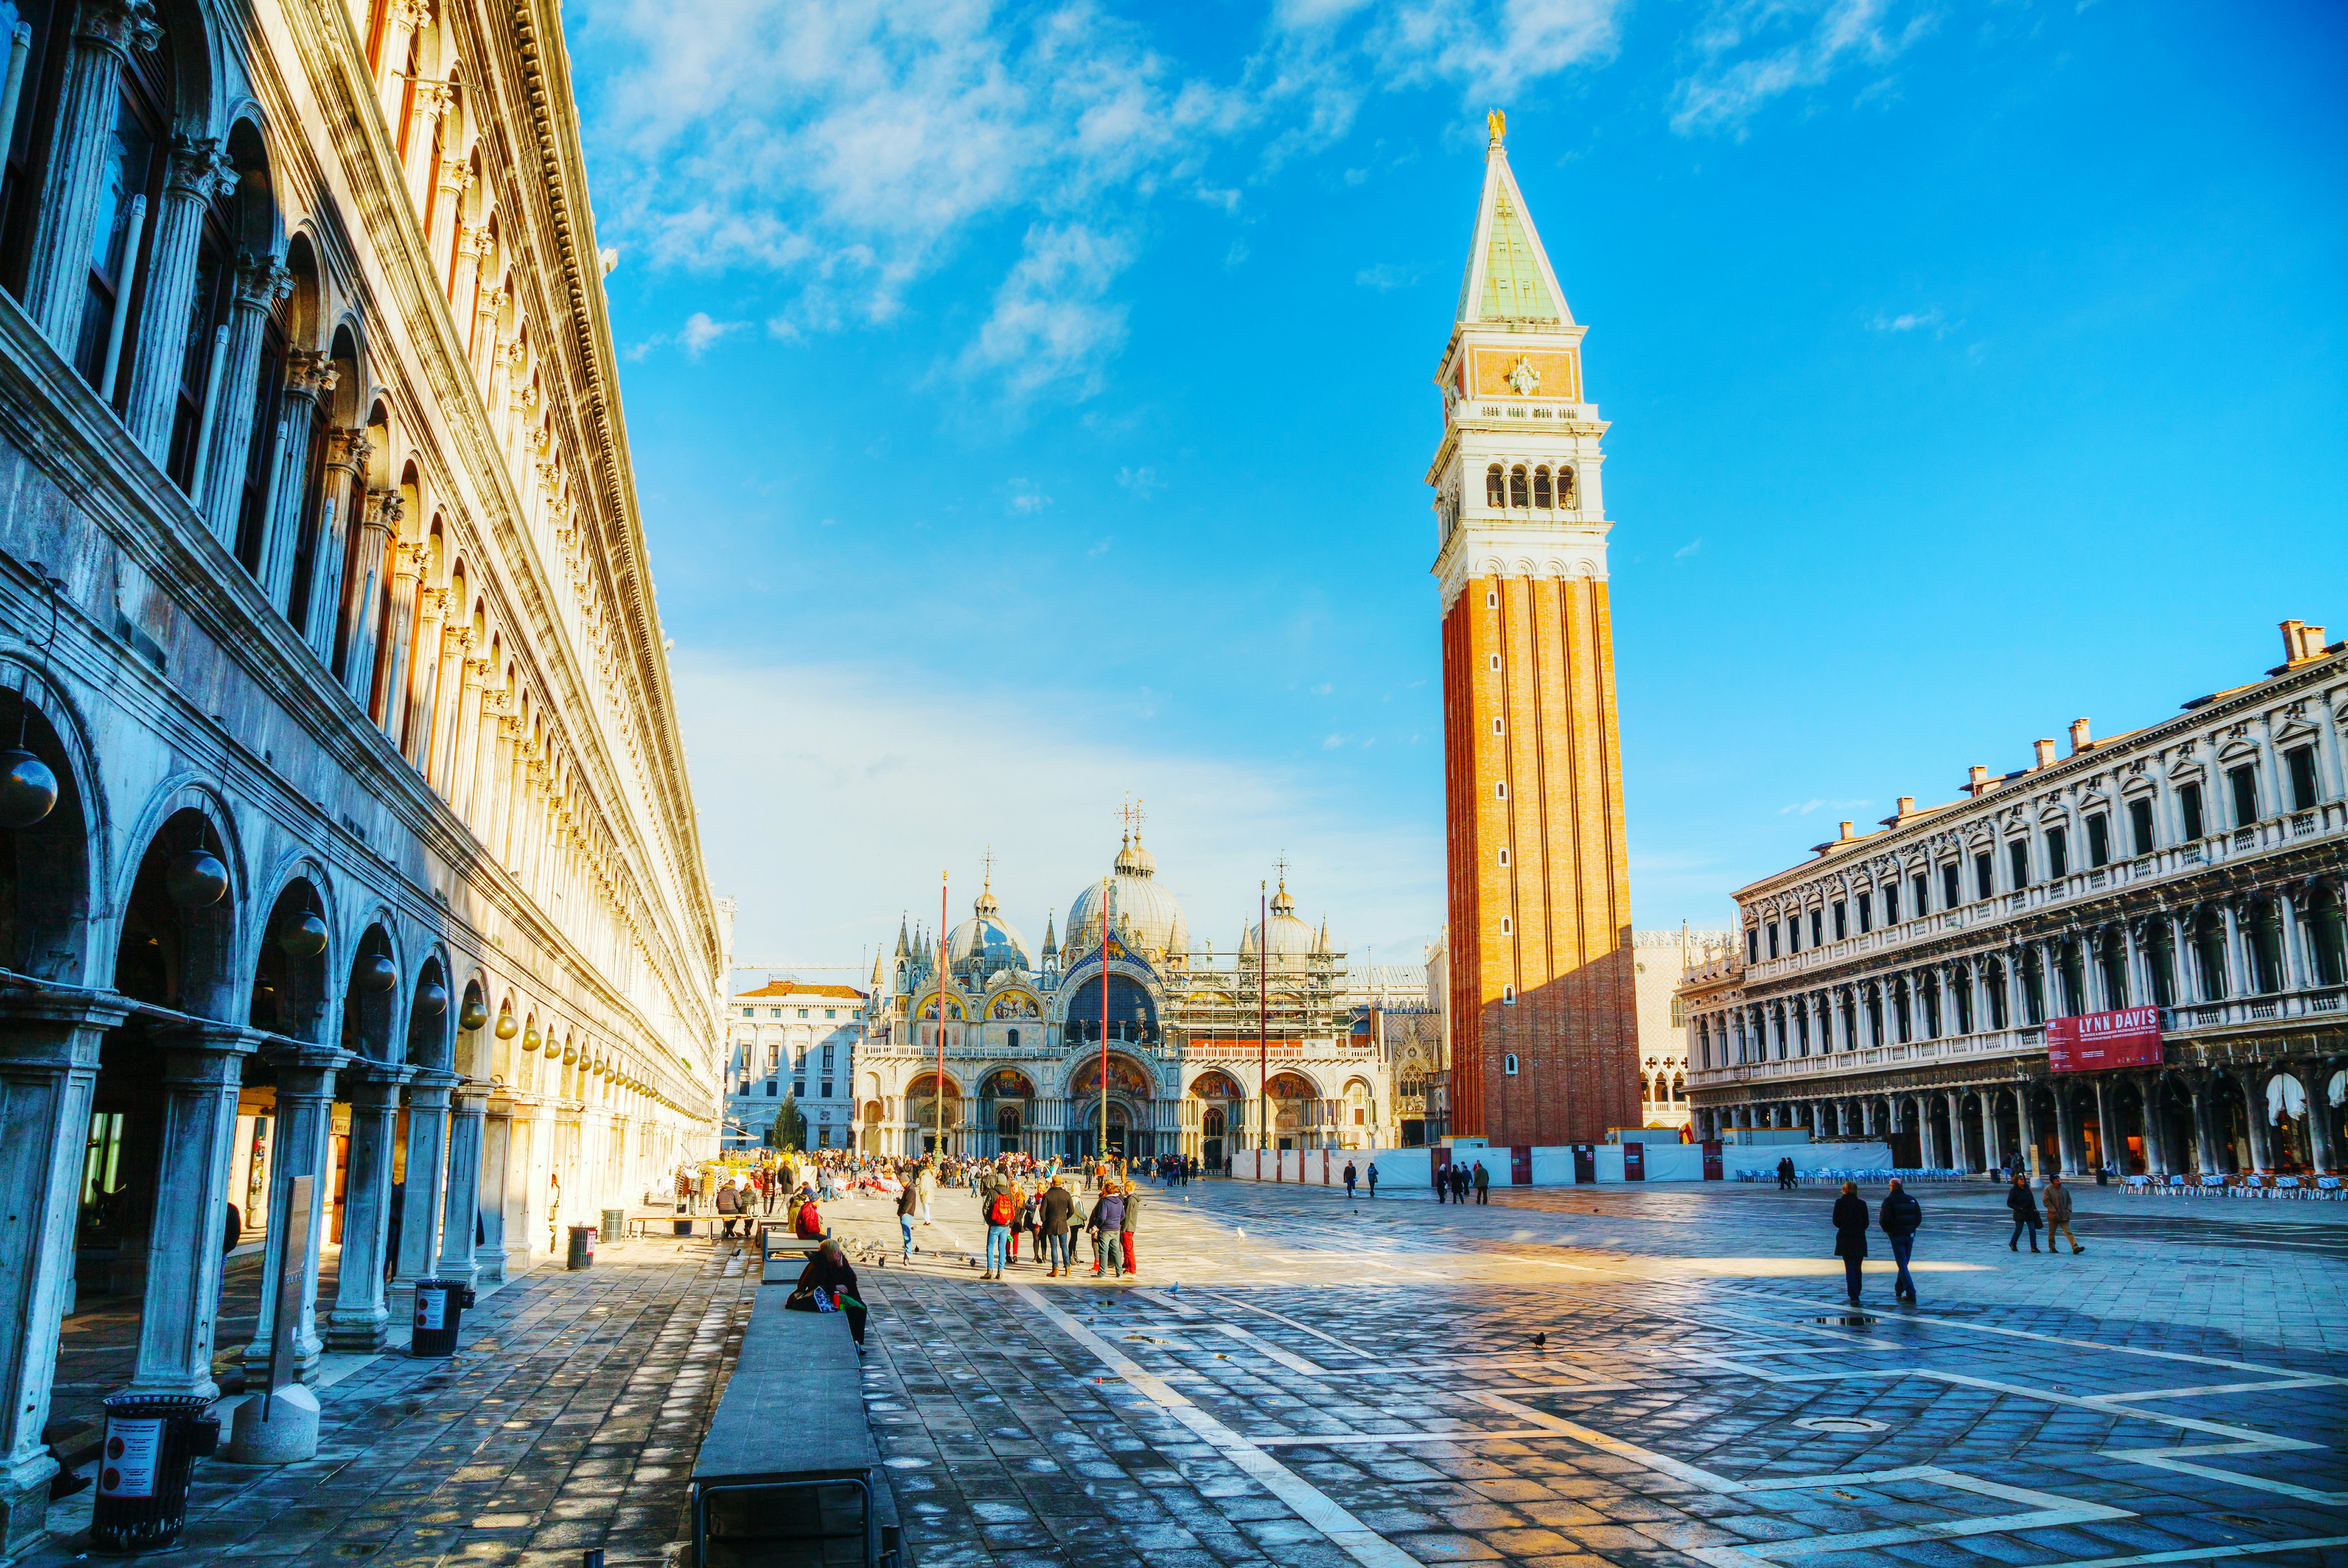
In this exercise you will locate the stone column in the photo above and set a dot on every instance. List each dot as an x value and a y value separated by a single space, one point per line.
409 560
57 290
260 283
2204 1136
362 1313
200 168
1993 1145
449 696
428 1143
2294 975
385 511
2319 1117
2238 961
203 1074
48 1072
1959 1157
466 733
415 728
464 277
401 20
455 178
2254 1115
308 377
432 101
346 454
2150 1092
2108 1147
305 1116
462 1214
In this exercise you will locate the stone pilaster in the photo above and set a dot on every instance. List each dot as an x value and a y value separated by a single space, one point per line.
361 1314
308 377
260 283
385 511
346 454
427 1147
48 1072
306 1105
203 1074
458 1260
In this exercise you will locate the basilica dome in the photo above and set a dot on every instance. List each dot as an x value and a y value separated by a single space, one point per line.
1143 914
986 943
1292 940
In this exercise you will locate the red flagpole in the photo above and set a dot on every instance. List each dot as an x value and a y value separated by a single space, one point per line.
940 966
1104 1020
1263 1031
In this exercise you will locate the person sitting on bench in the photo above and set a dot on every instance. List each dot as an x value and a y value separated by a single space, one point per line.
828 1284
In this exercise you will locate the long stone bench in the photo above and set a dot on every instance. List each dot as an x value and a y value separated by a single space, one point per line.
789 1472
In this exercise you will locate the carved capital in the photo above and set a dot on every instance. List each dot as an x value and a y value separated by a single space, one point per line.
200 167
475 239
433 98
348 448
310 373
431 604
411 14
408 560
262 282
121 25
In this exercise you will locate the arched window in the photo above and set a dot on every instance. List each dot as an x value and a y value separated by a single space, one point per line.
1540 486
1564 486
1517 496
1493 496
1013 1038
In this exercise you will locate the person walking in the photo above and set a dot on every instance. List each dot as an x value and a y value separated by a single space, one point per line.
925 1182
1851 1237
1785 1173
1349 1178
1483 1184
1900 1217
2058 1213
2023 1204
1055 1211
907 1205
1373 1178
1459 1182
998 1209
1442 1177
1108 1219
1125 1224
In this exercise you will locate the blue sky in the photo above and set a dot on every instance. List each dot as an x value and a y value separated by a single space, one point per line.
1031 406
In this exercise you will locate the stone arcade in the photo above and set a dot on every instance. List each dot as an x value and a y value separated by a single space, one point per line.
349 833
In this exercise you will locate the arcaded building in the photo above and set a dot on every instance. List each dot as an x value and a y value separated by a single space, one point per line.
2129 954
345 831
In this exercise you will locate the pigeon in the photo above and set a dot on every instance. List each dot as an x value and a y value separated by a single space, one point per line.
1539 1341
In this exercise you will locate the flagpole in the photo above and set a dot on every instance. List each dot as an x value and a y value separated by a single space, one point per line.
1103 1021
1262 1029
940 977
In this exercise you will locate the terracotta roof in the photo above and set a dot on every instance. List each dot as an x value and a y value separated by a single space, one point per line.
792 989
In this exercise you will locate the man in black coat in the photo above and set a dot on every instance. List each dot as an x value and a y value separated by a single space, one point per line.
1851 1237
1902 1215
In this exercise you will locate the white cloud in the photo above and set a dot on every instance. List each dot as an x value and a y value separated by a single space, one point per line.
698 333
1143 482
853 758
1750 52
853 147
1687 549
1387 276
1911 321
1026 499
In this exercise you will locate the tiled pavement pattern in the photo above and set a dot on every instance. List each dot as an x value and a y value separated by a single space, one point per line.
1309 1382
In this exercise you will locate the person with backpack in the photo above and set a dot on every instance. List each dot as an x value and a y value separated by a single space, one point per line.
999 1210
1483 1184
1901 1217
1106 1222
729 1206
1373 1178
1442 1180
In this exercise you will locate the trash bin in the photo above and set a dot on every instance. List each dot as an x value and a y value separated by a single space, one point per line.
439 1305
683 1224
142 1479
616 1223
582 1247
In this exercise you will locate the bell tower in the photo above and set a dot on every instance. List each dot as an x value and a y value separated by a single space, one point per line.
1544 1034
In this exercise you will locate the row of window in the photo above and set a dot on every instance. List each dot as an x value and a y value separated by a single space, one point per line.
798 1088
1517 486
777 1012
2242 788
1894 1009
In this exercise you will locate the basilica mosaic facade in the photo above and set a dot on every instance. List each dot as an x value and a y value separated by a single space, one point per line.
1206 1056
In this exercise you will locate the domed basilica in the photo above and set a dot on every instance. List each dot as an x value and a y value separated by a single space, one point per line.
1201 1050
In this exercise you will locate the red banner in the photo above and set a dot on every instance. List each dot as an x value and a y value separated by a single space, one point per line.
2095 1041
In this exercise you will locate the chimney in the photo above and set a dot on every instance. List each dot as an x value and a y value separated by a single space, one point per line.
1976 779
1845 834
2301 642
1907 805
2045 747
2079 741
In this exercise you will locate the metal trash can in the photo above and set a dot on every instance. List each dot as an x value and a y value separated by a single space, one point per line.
582 1247
683 1224
151 1441
439 1306
616 1223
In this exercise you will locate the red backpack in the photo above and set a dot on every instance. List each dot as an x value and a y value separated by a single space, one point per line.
1001 1211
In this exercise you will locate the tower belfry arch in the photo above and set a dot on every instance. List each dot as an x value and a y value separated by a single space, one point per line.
1544 1040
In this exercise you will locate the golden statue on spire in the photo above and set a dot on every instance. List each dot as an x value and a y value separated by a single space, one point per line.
1497 121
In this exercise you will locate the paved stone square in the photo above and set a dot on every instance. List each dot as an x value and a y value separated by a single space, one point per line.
1581 1376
